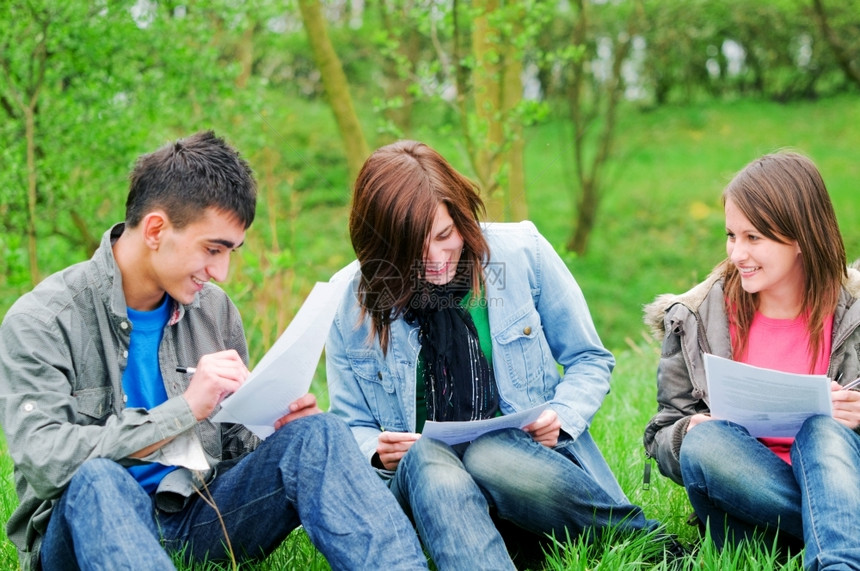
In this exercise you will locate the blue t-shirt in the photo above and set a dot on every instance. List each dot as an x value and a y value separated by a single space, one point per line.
142 380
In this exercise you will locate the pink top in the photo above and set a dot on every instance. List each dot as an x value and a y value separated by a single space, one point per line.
783 344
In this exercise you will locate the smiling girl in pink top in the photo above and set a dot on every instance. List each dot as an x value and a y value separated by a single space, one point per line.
783 299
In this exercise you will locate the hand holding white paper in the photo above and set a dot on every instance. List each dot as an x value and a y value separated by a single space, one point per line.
285 372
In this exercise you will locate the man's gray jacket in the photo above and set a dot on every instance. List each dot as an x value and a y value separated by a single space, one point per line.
63 350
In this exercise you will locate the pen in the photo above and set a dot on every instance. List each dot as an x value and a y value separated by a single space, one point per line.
186 370
852 384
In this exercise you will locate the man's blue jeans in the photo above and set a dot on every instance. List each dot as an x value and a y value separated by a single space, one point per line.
449 491
310 473
741 487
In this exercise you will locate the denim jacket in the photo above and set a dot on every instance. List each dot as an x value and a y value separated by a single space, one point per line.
63 349
694 323
538 320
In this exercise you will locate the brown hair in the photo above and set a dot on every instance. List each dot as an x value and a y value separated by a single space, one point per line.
394 201
784 198
187 177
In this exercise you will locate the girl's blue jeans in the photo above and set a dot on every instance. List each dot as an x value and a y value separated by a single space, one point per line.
740 488
449 492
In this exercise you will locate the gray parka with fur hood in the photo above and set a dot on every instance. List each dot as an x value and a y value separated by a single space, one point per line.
694 323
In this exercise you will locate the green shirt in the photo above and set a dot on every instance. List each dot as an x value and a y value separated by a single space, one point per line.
477 309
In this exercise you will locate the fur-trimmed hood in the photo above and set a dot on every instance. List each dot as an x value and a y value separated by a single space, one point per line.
656 310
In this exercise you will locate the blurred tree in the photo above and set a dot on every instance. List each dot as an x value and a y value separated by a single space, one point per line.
477 54
336 86
586 68
699 49
54 60
399 41
495 137
840 27
593 106
768 48
20 97
81 85
680 38
85 87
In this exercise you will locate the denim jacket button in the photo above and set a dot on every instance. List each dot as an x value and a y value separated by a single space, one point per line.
527 330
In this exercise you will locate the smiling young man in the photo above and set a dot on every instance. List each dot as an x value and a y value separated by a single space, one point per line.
101 426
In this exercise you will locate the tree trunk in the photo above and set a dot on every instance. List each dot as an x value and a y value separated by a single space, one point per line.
586 215
487 98
91 243
589 171
852 71
336 86
27 101
512 95
399 68
245 55
30 129
497 94
461 77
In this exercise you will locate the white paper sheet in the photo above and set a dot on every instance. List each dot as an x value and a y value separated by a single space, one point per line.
285 372
455 432
768 403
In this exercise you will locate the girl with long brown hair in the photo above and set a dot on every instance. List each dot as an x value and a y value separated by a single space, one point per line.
454 320
783 300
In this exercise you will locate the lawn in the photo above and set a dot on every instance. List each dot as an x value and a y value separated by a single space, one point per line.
660 229
618 431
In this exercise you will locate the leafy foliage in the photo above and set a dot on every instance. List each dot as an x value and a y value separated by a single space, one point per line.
94 79
108 80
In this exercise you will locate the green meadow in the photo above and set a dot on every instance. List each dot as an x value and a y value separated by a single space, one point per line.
660 229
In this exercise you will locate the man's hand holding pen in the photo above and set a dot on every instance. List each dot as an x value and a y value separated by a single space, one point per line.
215 376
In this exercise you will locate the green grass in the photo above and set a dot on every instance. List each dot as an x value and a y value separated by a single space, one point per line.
8 503
661 226
660 229
618 431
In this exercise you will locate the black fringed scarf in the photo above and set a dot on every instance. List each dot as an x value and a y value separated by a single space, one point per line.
459 382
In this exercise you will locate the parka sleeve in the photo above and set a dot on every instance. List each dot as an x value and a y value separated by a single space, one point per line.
676 402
